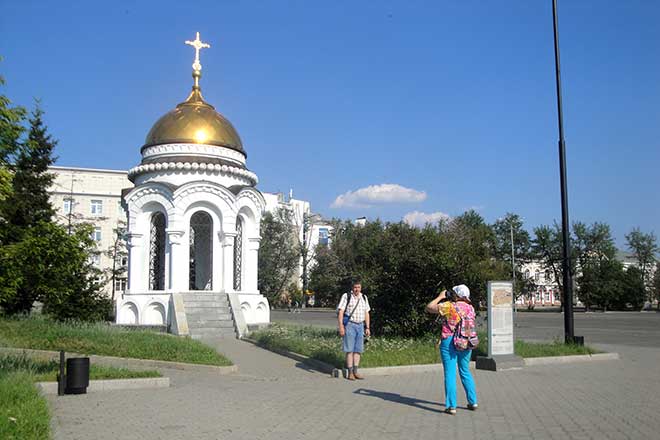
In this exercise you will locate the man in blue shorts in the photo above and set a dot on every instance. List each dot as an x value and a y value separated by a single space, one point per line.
355 306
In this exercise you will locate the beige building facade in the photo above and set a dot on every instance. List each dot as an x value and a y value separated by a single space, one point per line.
94 196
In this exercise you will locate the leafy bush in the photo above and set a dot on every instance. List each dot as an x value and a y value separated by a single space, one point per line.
54 267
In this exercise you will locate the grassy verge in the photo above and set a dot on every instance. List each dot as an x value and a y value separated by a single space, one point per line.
102 339
46 371
23 411
556 348
325 345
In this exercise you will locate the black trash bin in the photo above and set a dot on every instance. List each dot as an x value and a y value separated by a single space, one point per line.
77 375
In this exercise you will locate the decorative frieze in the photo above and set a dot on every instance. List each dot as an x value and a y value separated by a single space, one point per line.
195 167
200 150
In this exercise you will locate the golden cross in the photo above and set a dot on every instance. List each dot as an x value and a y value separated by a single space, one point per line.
197 44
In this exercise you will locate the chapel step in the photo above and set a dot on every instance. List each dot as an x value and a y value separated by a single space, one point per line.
208 314
217 323
213 332
214 303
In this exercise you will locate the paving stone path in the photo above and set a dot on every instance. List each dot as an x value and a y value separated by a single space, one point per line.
273 397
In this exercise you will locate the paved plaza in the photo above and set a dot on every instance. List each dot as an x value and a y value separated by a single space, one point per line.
274 397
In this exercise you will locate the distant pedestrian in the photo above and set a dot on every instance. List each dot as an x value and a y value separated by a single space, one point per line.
354 323
454 306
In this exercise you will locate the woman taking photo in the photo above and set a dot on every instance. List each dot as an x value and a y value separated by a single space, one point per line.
454 306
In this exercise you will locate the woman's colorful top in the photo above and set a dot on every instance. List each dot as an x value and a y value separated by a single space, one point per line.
451 313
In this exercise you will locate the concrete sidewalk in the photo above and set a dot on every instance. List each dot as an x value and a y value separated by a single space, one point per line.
274 397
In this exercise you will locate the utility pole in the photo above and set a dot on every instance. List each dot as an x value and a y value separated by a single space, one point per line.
303 251
513 268
569 335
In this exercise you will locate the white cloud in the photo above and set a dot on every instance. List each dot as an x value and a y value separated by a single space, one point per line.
420 219
378 195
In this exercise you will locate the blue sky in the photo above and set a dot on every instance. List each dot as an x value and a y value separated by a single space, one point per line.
450 103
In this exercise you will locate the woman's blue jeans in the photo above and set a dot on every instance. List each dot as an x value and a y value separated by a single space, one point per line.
450 357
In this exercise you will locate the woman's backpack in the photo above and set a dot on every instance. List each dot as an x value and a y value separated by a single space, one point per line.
465 334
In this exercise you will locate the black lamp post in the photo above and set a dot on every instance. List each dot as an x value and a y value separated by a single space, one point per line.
569 336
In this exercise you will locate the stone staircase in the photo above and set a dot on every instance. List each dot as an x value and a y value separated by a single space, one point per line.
208 314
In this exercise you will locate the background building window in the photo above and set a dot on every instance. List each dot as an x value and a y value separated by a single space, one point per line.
120 284
323 236
96 259
97 207
97 234
68 206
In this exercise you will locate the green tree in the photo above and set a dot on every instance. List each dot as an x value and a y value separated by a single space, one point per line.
503 229
547 249
278 256
633 290
401 267
11 129
117 252
29 201
54 267
655 285
472 251
601 284
645 247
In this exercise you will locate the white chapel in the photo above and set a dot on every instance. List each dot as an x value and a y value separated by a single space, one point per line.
193 225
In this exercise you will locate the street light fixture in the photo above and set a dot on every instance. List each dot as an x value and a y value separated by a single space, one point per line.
569 336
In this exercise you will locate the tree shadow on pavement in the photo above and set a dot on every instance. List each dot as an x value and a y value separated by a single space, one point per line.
398 398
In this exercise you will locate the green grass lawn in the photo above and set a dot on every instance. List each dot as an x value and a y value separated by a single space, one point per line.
102 339
23 411
325 345
46 371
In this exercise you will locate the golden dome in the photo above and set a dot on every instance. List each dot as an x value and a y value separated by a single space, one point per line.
194 121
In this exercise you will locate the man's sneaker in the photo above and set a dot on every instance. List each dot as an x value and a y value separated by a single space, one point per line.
351 376
451 411
358 376
472 407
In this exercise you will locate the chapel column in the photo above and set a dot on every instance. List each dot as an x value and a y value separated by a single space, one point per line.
228 239
136 278
178 261
251 261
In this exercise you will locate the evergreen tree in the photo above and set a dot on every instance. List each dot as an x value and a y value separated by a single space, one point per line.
11 129
29 202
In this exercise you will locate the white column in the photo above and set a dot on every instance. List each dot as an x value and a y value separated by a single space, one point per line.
178 267
137 280
251 265
228 238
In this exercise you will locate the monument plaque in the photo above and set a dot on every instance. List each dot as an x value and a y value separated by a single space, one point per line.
500 318
501 354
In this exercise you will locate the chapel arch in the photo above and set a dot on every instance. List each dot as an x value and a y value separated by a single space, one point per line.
201 251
